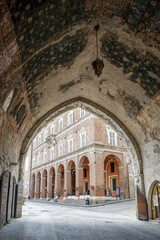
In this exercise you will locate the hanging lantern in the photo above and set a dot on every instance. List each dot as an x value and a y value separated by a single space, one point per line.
98 63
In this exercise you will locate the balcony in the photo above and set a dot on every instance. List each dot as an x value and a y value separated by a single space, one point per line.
51 140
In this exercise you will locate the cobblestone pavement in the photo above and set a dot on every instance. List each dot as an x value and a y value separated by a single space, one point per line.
45 221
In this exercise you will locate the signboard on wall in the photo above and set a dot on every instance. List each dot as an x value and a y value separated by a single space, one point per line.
107 192
117 191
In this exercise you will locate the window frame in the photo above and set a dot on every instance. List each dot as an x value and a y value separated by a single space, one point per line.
52 127
112 141
61 124
70 147
39 140
82 111
39 159
85 140
53 155
70 118
45 135
60 151
45 156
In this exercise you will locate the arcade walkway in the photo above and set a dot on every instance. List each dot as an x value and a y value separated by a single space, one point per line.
43 221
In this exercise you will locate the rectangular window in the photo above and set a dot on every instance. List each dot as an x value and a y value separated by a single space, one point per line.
34 144
44 136
60 124
112 167
70 145
39 159
60 150
51 153
52 129
83 139
70 119
39 139
114 184
44 156
82 113
112 139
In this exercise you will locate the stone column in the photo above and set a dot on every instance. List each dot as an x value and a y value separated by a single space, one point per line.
58 188
36 193
65 181
55 187
99 174
48 178
79 180
68 185
33 183
92 180
41 187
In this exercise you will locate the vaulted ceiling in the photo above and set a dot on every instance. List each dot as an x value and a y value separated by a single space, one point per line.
46 54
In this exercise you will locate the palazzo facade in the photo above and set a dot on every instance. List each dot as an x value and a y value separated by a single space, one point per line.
77 154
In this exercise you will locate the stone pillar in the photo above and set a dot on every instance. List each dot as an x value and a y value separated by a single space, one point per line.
32 188
79 180
68 184
65 181
58 180
92 180
99 174
38 188
56 174
41 186
35 188
48 178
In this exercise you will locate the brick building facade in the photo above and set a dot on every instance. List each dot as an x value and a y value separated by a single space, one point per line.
77 154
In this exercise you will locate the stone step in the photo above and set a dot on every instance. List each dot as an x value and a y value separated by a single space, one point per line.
72 201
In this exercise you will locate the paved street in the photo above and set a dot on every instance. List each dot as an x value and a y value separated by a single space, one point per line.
44 220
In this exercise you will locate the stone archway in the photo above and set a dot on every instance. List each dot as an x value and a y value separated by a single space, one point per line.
111 175
84 176
154 201
71 178
107 117
60 180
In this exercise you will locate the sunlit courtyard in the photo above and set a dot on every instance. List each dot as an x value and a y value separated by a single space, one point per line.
46 220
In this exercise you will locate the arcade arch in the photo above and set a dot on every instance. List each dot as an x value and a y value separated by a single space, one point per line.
60 181
111 175
71 178
154 201
84 176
